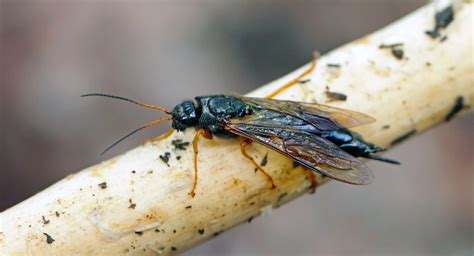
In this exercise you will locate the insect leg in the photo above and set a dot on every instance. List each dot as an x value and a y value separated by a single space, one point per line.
206 134
312 177
162 137
246 142
296 80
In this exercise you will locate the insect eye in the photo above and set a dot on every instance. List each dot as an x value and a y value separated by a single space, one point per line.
186 113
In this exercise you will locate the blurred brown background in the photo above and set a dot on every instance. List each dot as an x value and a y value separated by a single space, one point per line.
164 51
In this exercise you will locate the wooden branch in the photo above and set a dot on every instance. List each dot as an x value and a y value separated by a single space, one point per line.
138 204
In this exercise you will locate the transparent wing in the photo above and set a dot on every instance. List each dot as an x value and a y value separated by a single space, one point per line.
311 112
309 150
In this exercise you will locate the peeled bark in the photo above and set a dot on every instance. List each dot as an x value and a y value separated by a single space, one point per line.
137 204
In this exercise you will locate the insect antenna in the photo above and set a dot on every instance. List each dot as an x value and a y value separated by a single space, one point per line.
135 131
381 158
129 100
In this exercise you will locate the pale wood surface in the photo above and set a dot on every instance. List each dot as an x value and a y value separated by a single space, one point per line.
143 194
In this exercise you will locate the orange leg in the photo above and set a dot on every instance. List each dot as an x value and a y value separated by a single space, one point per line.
199 133
312 177
295 81
162 137
246 142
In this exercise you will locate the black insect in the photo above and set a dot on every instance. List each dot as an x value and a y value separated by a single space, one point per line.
313 135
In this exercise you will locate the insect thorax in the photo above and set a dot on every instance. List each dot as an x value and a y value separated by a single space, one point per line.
210 113
217 110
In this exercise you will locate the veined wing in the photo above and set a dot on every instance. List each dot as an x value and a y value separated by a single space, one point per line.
309 150
312 113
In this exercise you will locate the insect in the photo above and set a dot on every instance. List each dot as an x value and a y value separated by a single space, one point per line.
313 135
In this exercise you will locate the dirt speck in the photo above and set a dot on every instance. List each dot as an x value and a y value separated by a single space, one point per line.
236 181
132 204
102 185
49 239
396 49
442 20
336 96
458 106
45 221
333 65
264 160
180 144
165 157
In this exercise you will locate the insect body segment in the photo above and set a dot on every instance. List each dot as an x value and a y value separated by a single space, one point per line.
209 113
354 144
